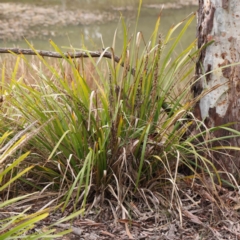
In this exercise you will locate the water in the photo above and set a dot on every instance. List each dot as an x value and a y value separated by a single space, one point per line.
93 33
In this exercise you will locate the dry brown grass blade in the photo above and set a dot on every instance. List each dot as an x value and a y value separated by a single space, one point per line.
107 234
135 209
127 228
88 222
131 222
207 196
113 211
192 217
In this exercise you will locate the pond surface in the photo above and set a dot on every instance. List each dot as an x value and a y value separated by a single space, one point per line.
88 22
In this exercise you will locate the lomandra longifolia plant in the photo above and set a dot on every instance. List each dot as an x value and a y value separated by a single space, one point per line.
110 128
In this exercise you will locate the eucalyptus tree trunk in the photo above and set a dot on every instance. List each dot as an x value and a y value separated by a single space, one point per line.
219 20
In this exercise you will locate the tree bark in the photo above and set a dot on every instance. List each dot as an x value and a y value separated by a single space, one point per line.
219 20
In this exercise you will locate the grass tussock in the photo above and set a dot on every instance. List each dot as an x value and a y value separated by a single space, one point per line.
97 133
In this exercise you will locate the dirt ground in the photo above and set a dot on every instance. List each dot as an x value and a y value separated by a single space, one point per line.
199 216
195 215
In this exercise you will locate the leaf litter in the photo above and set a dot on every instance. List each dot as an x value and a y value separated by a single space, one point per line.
203 217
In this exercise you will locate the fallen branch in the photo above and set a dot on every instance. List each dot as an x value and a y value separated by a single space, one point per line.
87 54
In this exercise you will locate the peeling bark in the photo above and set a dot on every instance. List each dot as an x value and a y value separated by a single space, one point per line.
219 20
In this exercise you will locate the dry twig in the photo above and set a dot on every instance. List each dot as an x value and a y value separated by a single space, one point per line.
82 54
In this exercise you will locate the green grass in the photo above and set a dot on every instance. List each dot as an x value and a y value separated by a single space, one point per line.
93 129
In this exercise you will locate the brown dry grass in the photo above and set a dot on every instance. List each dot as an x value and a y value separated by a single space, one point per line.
85 67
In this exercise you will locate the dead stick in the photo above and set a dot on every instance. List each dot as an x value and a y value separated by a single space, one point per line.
67 54
93 54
